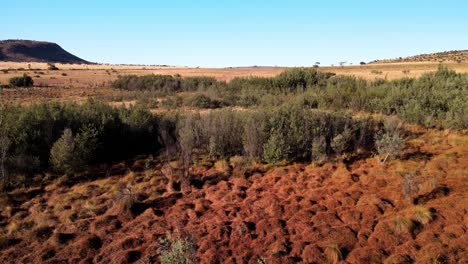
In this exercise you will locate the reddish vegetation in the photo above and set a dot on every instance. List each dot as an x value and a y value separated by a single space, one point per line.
285 214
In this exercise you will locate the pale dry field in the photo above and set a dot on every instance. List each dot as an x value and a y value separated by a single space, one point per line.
77 82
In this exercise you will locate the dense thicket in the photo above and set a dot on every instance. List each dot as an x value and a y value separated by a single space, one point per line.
35 132
438 99
162 83
287 133
67 138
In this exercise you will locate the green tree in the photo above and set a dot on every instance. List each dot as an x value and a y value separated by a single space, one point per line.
71 154
276 148
86 143
61 154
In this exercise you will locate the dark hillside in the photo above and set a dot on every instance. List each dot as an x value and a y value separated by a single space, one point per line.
35 51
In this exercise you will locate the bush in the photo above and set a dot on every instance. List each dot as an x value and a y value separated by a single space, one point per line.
202 101
390 144
253 136
61 154
113 134
52 67
71 154
276 149
165 84
319 149
188 138
285 133
341 142
4 149
23 81
177 250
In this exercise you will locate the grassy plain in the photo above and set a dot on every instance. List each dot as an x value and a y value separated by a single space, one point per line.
77 82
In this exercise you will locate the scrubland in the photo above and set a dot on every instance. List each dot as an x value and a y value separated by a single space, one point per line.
234 165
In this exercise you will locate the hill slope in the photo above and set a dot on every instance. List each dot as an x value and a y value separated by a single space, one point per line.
35 51
453 55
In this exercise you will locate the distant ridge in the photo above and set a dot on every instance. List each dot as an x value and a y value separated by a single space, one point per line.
453 55
36 51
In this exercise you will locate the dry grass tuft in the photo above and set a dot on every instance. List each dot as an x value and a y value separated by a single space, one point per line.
237 161
11 228
222 166
402 225
422 215
333 254
125 198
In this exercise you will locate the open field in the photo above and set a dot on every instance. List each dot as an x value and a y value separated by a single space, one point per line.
77 82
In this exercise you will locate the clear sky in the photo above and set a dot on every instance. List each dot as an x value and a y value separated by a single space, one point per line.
219 33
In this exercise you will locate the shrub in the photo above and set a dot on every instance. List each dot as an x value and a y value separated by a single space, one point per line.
103 134
166 84
319 149
52 67
86 142
390 144
276 148
71 154
202 101
253 136
23 81
177 250
221 133
188 138
61 154
341 142
5 143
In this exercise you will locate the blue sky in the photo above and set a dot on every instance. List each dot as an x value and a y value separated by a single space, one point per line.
217 33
